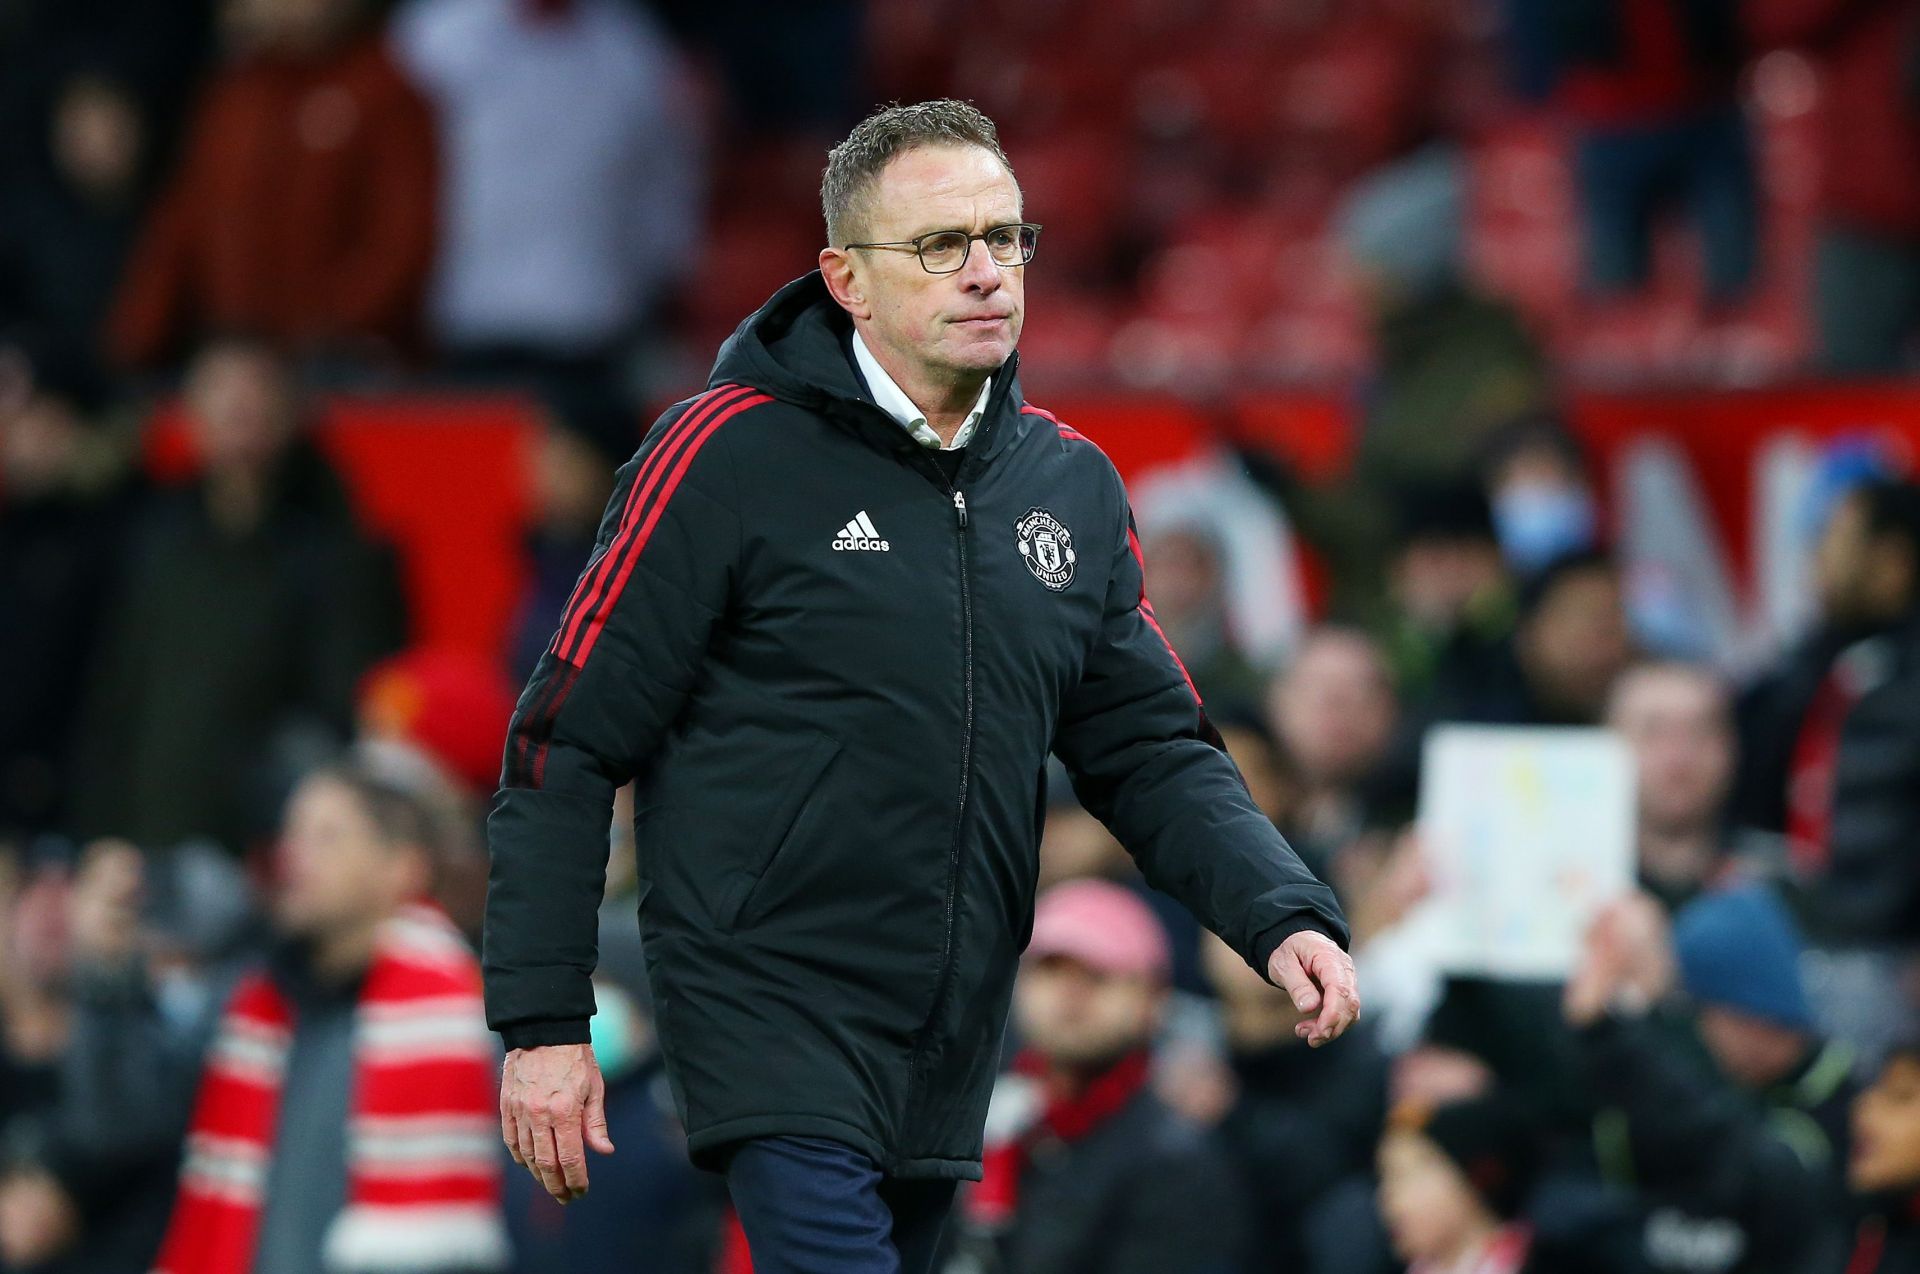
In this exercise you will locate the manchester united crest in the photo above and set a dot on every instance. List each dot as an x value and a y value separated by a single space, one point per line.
1046 546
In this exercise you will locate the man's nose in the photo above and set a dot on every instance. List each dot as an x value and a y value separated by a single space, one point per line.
980 274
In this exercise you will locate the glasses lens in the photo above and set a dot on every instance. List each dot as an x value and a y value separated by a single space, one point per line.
945 252
1029 240
1005 243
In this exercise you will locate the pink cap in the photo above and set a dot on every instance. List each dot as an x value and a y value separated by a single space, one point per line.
1103 925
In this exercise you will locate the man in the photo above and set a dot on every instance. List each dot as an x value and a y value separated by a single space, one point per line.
1737 1172
1333 710
303 204
1830 749
1088 1169
1829 738
342 1115
1677 720
843 606
262 560
1570 642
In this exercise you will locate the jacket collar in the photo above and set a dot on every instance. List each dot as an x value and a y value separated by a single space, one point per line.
795 348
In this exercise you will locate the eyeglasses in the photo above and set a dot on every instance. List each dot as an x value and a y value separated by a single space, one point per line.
946 251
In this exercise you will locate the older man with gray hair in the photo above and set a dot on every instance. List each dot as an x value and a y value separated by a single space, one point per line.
843 605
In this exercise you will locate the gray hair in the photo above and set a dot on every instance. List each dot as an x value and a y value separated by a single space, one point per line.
854 164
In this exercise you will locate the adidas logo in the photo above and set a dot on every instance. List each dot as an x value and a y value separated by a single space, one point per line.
859 534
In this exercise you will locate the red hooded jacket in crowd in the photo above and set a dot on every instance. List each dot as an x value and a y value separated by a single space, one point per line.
302 209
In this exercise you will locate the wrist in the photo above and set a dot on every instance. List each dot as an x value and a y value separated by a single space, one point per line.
542 1034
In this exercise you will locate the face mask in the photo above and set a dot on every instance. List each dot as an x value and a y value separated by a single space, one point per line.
1538 522
618 1034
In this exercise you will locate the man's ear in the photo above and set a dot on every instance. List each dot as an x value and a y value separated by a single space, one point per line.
844 283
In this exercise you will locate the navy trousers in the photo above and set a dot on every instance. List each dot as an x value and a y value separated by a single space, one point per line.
814 1206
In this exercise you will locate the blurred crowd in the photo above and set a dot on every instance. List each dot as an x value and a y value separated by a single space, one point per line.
241 808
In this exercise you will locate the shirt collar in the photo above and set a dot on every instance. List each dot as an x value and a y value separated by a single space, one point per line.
890 398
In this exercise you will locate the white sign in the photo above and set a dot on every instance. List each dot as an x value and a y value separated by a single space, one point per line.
1526 833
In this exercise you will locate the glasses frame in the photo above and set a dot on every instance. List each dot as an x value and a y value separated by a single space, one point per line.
915 245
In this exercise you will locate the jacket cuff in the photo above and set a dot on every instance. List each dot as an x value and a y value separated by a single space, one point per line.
571 1030
1270 939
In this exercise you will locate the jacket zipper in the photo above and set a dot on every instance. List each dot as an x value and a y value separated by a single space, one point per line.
966 769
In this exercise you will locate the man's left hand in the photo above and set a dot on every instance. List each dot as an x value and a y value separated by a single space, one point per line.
1313 969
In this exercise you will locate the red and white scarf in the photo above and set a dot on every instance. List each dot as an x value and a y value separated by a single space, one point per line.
1026 1114
423 1141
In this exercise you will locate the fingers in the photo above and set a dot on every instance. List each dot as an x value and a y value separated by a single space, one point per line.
546 1158
1293 979
510 1127
523 1139
573 1159
1340 1006
596 1123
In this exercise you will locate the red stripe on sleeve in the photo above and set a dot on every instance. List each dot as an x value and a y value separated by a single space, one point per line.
588 592
637 536
1146 613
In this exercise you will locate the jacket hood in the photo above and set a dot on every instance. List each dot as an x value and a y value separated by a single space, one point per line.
794 348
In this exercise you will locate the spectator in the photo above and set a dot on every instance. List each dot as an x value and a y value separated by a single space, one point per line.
1189 599
1454 1187
1454 365
154 51
62 528
1304 1122
1333 710
1543 505
571 184
1828 737
68 222
1677 719
1650 90
1449 601
1885 1171
260 560
303 207
1570 644
1090 1172
90 1174
1867 272
1735 1173
365 1032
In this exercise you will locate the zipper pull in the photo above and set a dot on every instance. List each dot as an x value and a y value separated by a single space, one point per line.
960 507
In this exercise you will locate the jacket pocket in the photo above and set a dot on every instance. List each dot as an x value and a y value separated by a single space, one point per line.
801 786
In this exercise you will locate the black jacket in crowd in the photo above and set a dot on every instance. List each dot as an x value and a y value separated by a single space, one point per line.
835 675
1869 891
1145 1192
1728 1183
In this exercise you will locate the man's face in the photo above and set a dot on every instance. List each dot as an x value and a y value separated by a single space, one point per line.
1886 1129
1425 1200
1436 578
1334 708
1677 724
1577 643
242 408
1840 562
334 870
1076 1015
948 325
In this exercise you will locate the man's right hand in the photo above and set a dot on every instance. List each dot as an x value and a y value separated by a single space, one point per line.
553 1105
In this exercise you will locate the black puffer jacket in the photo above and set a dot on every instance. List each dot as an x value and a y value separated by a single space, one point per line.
1868 892
836 676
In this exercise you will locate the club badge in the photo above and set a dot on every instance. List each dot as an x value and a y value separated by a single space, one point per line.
1046 546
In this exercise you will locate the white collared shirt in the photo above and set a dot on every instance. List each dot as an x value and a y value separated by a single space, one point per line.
893 400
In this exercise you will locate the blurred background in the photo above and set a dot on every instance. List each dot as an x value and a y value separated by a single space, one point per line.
1522 362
